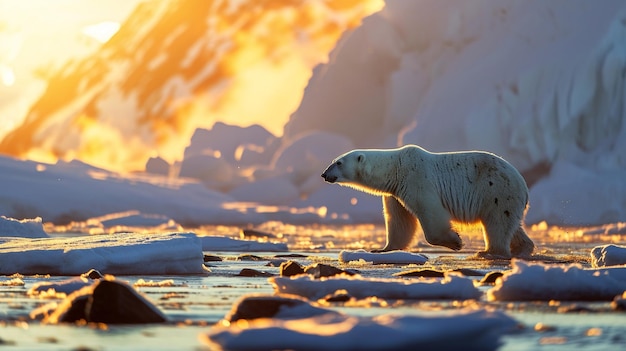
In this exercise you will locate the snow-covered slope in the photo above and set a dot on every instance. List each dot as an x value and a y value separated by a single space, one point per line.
540 83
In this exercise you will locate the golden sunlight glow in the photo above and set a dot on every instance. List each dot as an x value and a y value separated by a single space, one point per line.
102 31
115 107
7 76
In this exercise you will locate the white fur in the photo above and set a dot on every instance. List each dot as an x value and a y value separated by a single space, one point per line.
436 188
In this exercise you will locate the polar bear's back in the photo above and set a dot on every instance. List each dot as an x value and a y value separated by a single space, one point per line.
474 182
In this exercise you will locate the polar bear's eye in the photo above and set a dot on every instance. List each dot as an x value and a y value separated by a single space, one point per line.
338 163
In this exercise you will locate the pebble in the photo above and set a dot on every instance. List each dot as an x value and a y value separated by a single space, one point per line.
428 273
249 272
490 278
249 257
212 258
290 268
319 270
92 274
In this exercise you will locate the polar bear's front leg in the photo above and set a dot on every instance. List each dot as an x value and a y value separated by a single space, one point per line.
400 223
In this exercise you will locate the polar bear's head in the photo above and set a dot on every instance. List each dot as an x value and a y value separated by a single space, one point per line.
373 171
347 168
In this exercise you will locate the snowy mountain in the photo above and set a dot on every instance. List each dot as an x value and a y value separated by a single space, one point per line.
174 66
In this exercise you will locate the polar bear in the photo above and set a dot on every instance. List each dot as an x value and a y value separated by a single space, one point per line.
437 189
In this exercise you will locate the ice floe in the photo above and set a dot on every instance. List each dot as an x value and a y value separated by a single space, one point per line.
169 253
608 255
451 287
389 257
474 330
543 282
26 228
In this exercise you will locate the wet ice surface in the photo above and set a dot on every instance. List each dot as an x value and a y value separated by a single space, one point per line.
193 303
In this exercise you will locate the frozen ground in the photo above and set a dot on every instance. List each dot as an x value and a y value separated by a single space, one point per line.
380 299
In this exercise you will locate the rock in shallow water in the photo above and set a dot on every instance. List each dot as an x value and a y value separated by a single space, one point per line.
290 268
106 301
267 306
319 270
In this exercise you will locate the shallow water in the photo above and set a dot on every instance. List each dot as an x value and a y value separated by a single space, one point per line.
194 303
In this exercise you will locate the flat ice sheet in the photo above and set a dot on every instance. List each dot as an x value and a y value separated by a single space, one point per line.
126 253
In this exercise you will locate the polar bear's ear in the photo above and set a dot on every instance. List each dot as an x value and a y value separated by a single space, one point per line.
360 158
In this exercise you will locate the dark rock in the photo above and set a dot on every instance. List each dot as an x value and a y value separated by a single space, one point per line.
575 309
212 258
338 296
291 255
249 257
76 310
109 302
275 262
469 272
114 302
249 272
262 306
490 278
428 273
290 268
319 270
252 233
92 274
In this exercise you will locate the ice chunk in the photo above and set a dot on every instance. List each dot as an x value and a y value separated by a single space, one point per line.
465 330
608 255
543 282
451 287
25 228
171 253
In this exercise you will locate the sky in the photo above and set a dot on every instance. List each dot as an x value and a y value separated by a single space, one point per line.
36 34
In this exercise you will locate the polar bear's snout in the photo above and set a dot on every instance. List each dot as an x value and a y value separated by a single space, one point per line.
329 177
328 174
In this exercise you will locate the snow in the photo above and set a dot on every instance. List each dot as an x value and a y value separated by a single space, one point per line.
608 255
542 282
126 253
389 257
26 228
467 330
452 287
222 243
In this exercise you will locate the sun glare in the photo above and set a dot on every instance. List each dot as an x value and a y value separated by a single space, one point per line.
243 69
102 31
7 76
